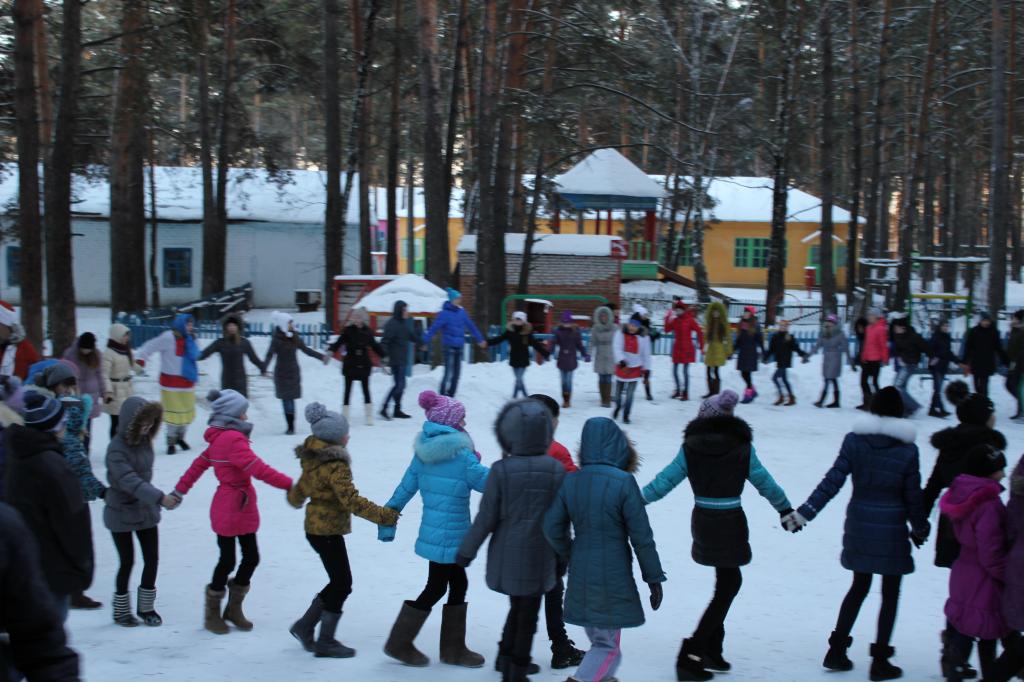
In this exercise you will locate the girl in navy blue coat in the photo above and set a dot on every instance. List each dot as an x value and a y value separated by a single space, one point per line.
880 455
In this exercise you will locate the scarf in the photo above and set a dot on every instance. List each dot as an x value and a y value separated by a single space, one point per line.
222 421
188 351
122 349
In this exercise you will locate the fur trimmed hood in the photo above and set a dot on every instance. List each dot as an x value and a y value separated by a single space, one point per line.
135 413
728 426
963 436
8 416
891 427
439 443
315 451
966 494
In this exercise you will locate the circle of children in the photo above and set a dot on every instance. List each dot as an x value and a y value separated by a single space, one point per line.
547 517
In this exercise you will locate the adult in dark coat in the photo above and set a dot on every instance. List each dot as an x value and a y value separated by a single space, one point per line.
718 457
1015 355
285 345
358 340
400 334
41 485
940 352
749 348
520 562
881 458
908 347
569 344
233 348
782 347
37 648
982 352
520 338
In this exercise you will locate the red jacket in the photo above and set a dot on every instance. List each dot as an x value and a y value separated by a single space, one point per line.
683 327
559 452
25 355
876 343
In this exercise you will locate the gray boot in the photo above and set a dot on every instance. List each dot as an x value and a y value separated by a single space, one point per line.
400 642
453 638
304 628
326 645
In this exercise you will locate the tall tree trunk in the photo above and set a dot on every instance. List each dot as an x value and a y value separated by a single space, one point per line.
30 235
461 34
998 212
1014 218
334 222
927 241
438 270
394 137
219 240
213 229
872 219
488 233
60 278
856 153
127 160
154 226
828 277
43 86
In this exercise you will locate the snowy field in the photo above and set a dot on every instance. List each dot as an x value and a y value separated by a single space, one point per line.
777 629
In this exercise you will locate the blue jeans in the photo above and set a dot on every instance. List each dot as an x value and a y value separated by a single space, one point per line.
289 406
624 397
398 375
910 406
452 368
519 372
938 379
604 656
566 380
781 380
686 375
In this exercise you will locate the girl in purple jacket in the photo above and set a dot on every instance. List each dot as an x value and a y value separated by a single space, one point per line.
974 609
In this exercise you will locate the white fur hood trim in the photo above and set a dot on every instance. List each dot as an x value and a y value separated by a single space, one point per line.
872 425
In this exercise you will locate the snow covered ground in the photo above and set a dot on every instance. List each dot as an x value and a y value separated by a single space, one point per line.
776 630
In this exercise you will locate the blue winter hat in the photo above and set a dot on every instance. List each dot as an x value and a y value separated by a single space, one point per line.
42 412
453 294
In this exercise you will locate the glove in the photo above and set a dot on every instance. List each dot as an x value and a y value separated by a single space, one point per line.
657 594
462 561
386 533
586 358
792 521
622 364
920 536
108 398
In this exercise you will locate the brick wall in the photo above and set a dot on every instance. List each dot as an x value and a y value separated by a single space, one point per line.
553 274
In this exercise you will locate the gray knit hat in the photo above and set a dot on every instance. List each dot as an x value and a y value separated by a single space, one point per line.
330 427
228 402
41 412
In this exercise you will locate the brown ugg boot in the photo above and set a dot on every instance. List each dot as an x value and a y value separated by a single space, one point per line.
212 619
233 612
453 638
400 642
566 399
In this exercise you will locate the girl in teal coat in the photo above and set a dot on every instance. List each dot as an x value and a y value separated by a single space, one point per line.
444 470
603 503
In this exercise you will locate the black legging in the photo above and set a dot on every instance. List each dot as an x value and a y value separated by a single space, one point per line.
334 556
855 598
226 564
554 617
962 644
711 628
366 388
149 543
835 387
713 375
442 578
981 384
748 378
869 372
520 626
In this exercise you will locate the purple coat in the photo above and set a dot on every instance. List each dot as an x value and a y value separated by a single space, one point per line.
569 341
90 379
1013 592
974 606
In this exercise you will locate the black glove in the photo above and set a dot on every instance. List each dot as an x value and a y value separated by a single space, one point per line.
657 594
462 561
919 538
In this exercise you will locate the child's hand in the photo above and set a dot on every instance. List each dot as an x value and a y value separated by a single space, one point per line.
390 516
793 521
657 594
920 536
386 533
462 561
170 502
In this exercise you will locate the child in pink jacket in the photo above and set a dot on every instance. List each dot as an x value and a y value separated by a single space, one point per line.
974 608
233 512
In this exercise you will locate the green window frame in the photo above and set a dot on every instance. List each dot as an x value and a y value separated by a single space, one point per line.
753 252
838 256
686 251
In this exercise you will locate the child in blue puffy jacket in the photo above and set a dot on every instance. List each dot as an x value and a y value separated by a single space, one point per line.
444 470
453 323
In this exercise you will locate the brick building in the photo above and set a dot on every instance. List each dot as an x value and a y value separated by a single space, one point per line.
560 264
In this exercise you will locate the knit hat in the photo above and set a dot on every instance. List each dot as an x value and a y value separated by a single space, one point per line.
281 321
975 409
41 412
330 427
87 341
833 318
566 316
548 402
875 310
359 316
887 403
227 402
636 319
680 304
57 373
442 409
519 315
984 460
750 309
985 315
957 392
453 294
638 309
117 332
721 405
8 317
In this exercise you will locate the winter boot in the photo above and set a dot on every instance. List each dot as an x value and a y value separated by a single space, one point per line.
713 657
146 607
84 602
690 664
326 646
566 399
453 638
289 420
304 629
881 668
368 414
400 642
821 401
685 395
171 449
183 445
233 613
516 673
647 387
781 400
384 413
502 663
836 658
212 619
936 412
748 397
564 654
401 415
123 611
791 401
676 393
835 402
606 394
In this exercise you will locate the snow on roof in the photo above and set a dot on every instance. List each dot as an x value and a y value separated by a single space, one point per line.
296 196
420 295
419 204
655 290
606 171
558 244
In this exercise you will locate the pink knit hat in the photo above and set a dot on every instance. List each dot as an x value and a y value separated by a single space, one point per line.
442 410
721 405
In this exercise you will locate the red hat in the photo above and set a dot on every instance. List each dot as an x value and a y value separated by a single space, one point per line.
750 309
681 304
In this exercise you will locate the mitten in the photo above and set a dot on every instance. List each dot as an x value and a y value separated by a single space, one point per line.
792 521
386 533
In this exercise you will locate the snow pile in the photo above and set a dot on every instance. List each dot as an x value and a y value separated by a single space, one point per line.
552 244
608 172
420 295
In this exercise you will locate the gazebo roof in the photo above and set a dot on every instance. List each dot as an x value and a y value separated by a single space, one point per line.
607 179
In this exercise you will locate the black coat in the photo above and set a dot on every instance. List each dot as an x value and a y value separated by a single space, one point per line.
520 341
358 341
940 349
909 347
953 444
399 334
28 614
287 374
748 346
782 347
41 486
232 362
983 350
860 331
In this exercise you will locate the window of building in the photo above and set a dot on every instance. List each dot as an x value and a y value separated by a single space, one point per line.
177 268
838 256
753 252
686 251
14 266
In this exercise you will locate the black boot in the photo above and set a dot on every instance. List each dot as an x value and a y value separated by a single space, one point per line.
453 638
384 413
289 419
400 642
183 445
304 629
690 664
564 654
713 657
502 663
821 401
835 403
881 668
647 387
326 645
836 658
399 414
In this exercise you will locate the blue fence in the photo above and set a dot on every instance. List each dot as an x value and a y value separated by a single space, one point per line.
313 335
